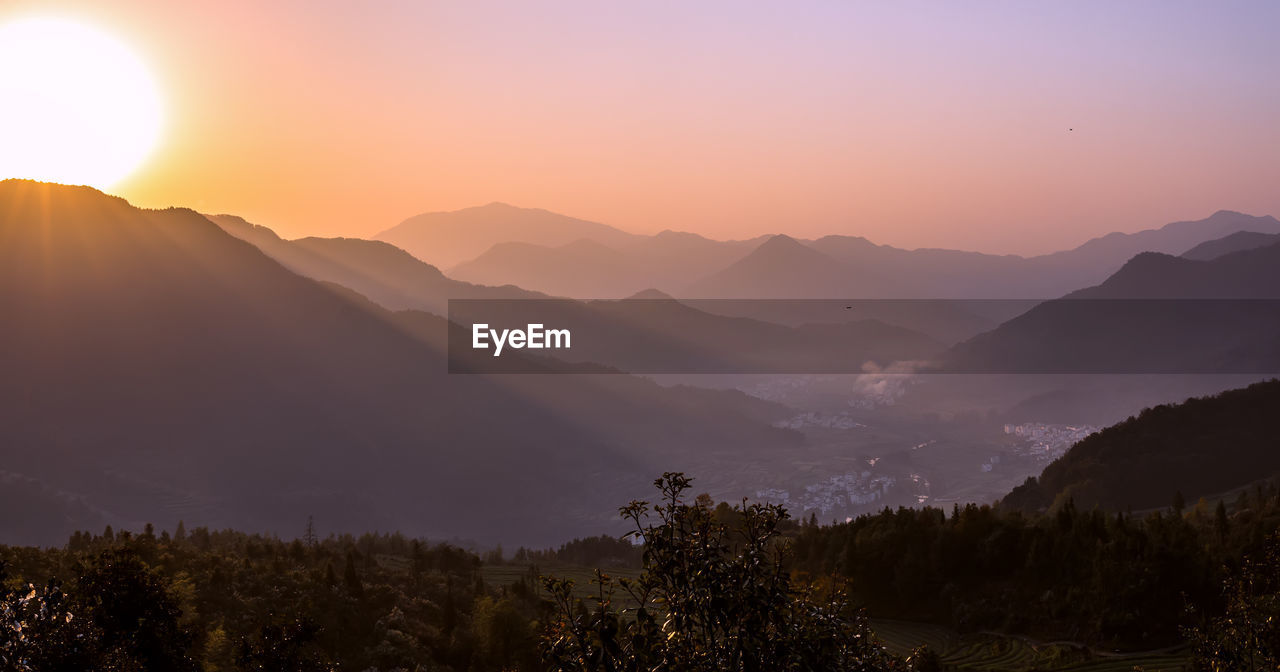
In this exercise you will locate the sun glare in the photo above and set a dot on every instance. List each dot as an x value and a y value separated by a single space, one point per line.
77 106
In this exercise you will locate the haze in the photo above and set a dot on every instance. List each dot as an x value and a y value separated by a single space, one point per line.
996 127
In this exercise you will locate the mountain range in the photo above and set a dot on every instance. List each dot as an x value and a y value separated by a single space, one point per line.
585 260
158 368
1157 314
446 239
164 365
379 271
1236 242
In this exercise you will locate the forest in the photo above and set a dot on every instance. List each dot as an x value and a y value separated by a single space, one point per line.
720 587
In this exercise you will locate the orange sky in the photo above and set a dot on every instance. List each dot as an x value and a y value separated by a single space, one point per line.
913 124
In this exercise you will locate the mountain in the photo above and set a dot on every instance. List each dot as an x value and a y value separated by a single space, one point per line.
784 268
567 270
653 334
1201 447
379 271
1249 274
1100 257
1236 242
691 266
588 270
446 239
936 273
1157 314
674 259
632 335
158 368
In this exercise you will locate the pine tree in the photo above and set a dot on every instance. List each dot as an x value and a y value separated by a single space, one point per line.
351 578
449 619
1220 520
309 536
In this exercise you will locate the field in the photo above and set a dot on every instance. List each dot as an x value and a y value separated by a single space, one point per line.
995 653
584 586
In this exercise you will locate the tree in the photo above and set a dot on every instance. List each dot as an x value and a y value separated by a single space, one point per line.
309 536
283 646
1220 521
351 578
38 632
710 598
1247 637
138 619
503 633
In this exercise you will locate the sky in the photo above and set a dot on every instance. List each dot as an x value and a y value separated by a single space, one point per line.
911 123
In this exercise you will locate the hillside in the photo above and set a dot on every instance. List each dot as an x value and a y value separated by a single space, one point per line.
382 272
1200 447
157 368
1236 242
1248 274
1157 314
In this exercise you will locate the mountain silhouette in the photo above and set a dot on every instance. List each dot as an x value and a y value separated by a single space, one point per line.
379 271
691 266
784 268
587 269
1157 314
446 239
1236 242
565 270
159 368
1248 274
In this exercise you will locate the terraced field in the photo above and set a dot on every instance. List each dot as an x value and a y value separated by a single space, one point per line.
994 653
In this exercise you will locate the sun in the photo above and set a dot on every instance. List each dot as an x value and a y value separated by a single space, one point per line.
77 107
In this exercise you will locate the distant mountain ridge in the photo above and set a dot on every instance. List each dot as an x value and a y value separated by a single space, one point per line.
379 271
589 269
691 266
559 271
1157 314
1236 242
1247 274
446 239
785 268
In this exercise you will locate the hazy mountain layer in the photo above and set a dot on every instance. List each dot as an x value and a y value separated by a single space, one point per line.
157 368
446 239
380 271
1157 314
1236 242
690 266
